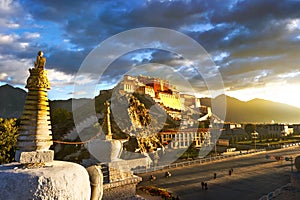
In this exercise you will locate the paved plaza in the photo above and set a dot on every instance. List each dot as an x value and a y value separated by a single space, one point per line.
253 177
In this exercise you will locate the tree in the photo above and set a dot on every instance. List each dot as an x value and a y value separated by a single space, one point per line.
8 139
192 151
61 115
250 128
61 121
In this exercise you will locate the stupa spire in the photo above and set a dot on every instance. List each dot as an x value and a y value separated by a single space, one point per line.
35 135
106 126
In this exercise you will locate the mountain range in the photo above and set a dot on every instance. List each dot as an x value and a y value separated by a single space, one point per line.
254 111
257 110
12 101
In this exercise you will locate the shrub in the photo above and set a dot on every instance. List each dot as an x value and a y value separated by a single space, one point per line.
8 139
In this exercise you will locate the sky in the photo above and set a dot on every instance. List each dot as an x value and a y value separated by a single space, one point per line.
254 44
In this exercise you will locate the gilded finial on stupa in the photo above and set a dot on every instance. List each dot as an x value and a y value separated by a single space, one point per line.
106 126
40 61
38 75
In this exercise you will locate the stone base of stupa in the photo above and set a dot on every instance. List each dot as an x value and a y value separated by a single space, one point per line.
52 180
25 157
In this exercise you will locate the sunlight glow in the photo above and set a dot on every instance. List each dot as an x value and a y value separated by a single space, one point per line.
280 92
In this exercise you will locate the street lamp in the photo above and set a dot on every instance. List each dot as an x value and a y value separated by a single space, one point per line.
254 136
292 161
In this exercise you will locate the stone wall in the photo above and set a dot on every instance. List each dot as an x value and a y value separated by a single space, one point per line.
170 101
124 189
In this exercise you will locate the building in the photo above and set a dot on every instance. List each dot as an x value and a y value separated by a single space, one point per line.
129 84
232 128
274 129
184 138
296 128
190 100
223 142
157 84
170 101
147 90
160 90
166 95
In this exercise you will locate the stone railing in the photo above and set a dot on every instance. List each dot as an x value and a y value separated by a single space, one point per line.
196 161
290 145
206 159
276 192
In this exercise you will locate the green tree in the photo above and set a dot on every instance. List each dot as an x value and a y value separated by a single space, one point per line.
191 152
61 115
232 140
249 128
8 139
61 121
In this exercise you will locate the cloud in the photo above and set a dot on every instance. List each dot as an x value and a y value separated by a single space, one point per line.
65 61
8 7
252 42
28 35
7 39
13 70
58 78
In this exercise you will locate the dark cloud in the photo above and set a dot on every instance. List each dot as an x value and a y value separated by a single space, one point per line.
66 61
55 10
259 37
256 13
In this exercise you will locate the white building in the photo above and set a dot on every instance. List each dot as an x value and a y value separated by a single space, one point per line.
184 138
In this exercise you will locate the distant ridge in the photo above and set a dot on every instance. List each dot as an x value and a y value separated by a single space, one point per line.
257 111
12 101
67 104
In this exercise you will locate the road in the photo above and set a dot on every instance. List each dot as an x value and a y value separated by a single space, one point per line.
253 176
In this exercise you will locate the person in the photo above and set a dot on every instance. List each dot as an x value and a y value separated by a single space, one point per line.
152 178
40 61
167 174
205 185
202 185
230 172
215 175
